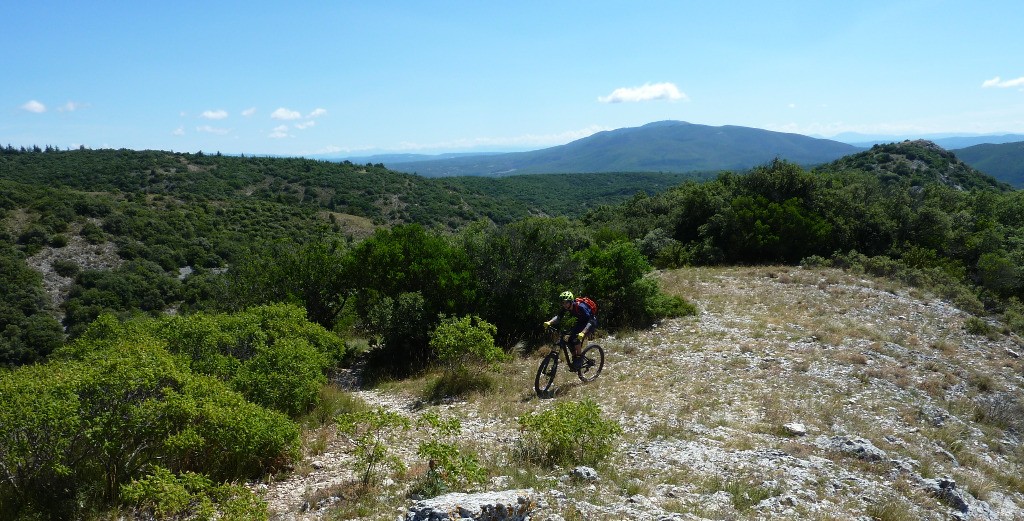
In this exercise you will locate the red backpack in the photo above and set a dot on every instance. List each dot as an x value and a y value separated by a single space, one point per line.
590 304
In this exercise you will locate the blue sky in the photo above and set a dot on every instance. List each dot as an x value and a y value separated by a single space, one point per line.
357 78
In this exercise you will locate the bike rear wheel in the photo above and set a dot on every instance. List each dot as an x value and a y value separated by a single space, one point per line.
593 363
546 374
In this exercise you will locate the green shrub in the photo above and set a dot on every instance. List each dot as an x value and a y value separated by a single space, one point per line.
223 435
285 376
570 433
977 326
114 403
164 495
1014 316
614 276
520 268
66 268
460 341
271 354
40 423
449 468
374 432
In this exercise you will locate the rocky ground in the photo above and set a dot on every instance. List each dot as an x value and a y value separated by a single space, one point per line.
794 394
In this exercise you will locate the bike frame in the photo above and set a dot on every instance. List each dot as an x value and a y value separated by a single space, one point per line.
563 344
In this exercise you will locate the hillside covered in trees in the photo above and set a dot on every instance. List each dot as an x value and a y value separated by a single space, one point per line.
158 305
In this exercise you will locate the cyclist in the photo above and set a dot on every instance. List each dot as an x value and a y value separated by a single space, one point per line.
586 321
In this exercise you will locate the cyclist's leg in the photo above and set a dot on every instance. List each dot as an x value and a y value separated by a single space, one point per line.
575 344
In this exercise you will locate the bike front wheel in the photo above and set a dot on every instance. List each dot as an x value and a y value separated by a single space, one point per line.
593 362
546 374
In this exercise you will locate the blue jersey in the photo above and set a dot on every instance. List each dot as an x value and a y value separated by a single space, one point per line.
584 316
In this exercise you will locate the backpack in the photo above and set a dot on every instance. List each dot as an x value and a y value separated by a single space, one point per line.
590 304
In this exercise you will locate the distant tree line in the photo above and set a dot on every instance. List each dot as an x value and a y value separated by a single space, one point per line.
966 244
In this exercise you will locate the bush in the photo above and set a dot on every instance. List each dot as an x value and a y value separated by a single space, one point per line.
285 376
460 341
74 430
571 433
164 495
66 268
271 354
1014 316
614 276
374 431
449 468
39 418
977 326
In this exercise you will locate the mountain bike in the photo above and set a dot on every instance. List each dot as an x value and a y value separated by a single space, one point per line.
590 368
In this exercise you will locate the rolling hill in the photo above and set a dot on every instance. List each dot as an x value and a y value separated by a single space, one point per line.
920 161
665 146
1002 161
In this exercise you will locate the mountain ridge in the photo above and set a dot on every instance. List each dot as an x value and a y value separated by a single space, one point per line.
681 147
661 146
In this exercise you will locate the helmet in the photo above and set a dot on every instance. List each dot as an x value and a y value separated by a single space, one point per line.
566 295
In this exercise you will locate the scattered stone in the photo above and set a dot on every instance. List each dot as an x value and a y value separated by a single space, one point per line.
584 473
795 429
945 489
854 446
936 416
1012 353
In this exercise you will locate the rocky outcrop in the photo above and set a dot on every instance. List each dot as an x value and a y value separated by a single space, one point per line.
508 505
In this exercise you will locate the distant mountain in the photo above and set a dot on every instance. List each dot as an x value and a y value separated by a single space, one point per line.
921 162
949 141
1003 161
665 146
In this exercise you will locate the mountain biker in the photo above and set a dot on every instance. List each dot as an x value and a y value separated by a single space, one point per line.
586 321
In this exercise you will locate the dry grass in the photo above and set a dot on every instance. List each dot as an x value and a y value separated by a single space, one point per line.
772 345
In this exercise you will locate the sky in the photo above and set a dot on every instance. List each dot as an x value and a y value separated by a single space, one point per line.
351 78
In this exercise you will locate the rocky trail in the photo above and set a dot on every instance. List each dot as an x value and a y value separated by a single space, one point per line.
794 394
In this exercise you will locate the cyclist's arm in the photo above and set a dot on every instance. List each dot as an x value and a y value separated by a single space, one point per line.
587 316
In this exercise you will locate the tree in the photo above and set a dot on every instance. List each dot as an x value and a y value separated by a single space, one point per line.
317 276
520 268
28 329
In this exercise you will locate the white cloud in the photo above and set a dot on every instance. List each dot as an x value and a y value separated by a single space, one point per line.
214 114
213 130
71 106
286 114
279 132
647 92
34 106
180 131
305 124
317 113
1003 84
249 111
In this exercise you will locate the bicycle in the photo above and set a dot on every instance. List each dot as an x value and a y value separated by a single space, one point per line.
593 363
